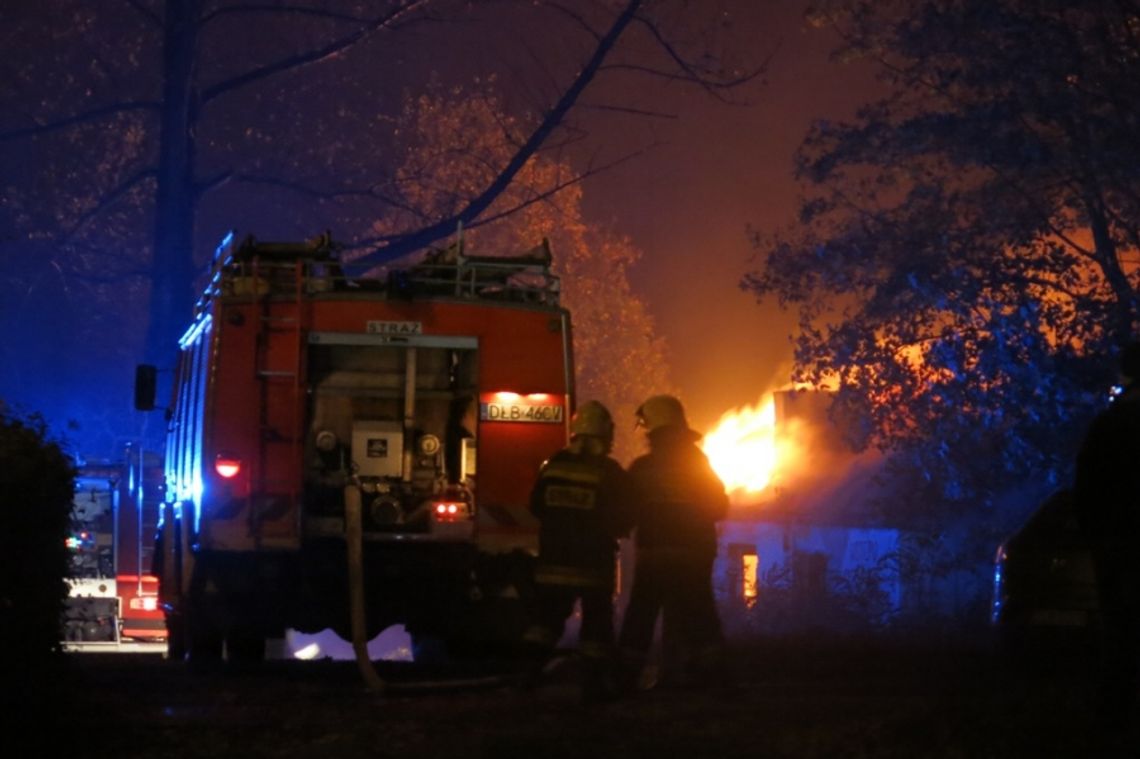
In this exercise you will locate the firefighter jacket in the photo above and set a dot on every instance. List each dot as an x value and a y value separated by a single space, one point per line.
679 496
581 501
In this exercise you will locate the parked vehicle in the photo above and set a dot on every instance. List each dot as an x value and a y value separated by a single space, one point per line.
329 435
1045 596
112 594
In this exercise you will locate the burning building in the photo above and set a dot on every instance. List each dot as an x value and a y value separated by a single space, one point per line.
801 548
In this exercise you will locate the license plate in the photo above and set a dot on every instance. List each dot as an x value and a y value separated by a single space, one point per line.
521 412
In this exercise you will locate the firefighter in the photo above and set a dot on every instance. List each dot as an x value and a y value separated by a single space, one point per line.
1107 491
580 499
679 500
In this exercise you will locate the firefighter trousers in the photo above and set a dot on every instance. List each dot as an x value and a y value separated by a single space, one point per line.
677 585
555 603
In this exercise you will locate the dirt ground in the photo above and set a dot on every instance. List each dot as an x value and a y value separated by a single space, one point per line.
788 699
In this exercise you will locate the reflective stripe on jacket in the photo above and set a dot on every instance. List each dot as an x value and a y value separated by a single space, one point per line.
582 503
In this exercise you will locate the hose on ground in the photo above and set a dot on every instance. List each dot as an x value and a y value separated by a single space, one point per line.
354 537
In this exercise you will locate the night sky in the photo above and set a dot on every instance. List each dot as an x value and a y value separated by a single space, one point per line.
714 169
688 204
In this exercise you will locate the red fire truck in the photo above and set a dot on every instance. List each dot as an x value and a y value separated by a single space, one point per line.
346 452
113 596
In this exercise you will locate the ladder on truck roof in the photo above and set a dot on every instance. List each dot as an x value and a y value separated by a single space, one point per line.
278 360
526 277
446 272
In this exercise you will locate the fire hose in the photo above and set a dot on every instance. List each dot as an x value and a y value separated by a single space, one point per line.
354 537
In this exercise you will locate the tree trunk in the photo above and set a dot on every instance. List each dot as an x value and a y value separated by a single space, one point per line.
1106 254
172 273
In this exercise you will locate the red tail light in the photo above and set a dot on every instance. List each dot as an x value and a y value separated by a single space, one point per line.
144 603
449 511
227 466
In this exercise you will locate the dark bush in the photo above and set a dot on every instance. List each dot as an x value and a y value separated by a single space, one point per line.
37 484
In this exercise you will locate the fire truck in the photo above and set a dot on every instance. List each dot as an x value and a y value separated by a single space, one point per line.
352 454
112 595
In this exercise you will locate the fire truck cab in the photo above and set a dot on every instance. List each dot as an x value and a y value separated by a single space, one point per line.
427 400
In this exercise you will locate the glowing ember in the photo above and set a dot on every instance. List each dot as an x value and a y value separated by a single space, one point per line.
742 447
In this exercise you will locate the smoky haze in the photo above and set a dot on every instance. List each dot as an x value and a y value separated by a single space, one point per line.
717 170
700 179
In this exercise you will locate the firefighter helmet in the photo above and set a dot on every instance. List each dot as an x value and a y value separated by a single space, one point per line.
592 418
661 411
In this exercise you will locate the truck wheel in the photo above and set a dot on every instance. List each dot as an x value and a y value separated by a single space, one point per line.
175 637
204 651
429 649
245 647
203 635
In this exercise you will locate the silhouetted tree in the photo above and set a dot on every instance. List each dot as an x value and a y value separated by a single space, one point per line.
37 484
130 128
965 263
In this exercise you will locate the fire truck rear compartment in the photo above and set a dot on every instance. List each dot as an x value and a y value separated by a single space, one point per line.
295 395
399 421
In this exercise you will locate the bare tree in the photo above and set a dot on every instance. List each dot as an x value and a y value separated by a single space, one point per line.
133 129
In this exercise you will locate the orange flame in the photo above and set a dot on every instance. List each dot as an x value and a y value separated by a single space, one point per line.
742 448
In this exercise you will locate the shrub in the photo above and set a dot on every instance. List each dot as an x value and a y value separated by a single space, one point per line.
37 484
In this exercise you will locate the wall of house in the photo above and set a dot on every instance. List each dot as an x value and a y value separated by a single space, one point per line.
784 576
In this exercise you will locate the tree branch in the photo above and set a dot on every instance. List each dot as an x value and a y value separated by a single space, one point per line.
79 118
146 13
546 194
424 237
691 73
578 19
107 201
332 50
706 84
296 187
628 110
300 10
554 190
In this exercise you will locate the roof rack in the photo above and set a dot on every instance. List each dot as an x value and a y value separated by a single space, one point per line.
450 271
257 268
